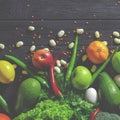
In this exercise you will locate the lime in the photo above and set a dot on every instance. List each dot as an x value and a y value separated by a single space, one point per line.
28 93
7 72
30 89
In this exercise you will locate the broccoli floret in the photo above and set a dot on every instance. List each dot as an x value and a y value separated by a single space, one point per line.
107 116
47 110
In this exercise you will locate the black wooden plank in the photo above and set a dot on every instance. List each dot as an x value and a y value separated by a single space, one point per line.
12 32
59 9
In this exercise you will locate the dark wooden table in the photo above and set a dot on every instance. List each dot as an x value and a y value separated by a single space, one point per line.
48 17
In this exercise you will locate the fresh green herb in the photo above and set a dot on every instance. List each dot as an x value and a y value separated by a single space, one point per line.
47 110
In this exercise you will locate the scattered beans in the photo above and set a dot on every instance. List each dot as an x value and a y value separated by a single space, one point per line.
2 46
63 62
71 45
52 43
84 58
61 33
46 49
97 34
32 48
116 34
57 69
116 40
14 66
31 28
19 44
93 68
80 31
58 63
105 42
24 72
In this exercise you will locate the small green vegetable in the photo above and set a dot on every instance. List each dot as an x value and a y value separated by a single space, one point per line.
4 104
47 110
25 67
72 61
102 67
109 89
107 116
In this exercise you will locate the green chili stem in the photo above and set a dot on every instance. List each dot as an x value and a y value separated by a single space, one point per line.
102 67
72 60
4 104
25 67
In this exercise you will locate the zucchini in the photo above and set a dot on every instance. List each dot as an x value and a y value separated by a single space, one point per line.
109 89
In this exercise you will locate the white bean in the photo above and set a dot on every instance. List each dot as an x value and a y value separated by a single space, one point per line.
116 34
80 31
57 69
97 34
31 28
32 48
19 44
63 62
46 49
116 41
52 43
71 45
61 33
2 46
58 63
105 42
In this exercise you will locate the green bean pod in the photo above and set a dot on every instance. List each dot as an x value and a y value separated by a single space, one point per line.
72 61
25 67
4 104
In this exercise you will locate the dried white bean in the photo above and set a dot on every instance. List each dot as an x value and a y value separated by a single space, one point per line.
116 41
46 49
71 45
57 69
58 63
52 43
105 42
61 33
80 31
31 28
32 48
63 62
19 44
116 34
2 46
97 34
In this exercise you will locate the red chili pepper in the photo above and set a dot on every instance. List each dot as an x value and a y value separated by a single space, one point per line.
94 113
43 58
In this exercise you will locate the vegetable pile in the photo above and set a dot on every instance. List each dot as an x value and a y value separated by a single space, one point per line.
67 93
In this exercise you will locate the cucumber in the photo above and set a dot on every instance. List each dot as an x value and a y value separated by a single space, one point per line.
109 89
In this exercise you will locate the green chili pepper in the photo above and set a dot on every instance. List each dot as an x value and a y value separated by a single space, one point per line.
102 67
4 104
25 67
72 60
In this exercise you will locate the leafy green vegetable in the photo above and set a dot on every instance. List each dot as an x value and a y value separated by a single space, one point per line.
48 110
107 116
82 109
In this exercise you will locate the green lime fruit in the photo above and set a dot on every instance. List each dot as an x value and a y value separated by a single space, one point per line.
28 94
81 78
116 62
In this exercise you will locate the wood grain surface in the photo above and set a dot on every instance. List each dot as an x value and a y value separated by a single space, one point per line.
49 17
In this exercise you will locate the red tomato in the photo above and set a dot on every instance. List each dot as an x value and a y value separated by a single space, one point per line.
4 117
